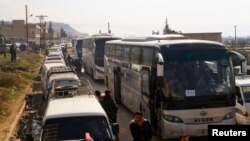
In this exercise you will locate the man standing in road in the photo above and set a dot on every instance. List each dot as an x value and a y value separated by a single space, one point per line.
140 128
109 106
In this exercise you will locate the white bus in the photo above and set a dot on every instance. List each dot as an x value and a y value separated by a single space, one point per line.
93 54
137 71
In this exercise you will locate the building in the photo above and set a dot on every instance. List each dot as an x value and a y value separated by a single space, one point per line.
34 34
211 36
16 32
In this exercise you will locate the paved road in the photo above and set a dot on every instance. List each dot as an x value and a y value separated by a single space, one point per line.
124 115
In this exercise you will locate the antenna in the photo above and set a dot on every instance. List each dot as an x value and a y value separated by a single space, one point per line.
109 31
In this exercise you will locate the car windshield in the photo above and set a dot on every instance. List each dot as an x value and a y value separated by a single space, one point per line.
63 83
74 128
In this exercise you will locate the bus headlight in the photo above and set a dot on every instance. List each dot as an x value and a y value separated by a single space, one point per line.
229 115
172 118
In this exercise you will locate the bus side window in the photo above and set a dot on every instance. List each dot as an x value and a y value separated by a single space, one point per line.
111 51
126 56
147 56
107 51
135 55
118 52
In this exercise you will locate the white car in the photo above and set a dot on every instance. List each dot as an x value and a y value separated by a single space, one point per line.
242 99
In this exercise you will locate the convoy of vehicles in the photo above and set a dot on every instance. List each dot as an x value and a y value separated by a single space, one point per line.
70 113
160 78
180 85
91 50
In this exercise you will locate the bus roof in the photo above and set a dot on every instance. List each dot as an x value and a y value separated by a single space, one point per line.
85 105
166 37
102 36
158 43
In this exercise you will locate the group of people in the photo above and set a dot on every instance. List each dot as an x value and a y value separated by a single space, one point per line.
140 128
75 63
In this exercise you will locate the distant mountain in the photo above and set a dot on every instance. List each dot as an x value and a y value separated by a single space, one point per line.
67 28
56 26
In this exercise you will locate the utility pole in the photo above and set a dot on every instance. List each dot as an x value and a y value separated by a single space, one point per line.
109 31
27 28
235 41
41 17
50 32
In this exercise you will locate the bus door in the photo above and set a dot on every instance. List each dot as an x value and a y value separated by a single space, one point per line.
145 91
117 85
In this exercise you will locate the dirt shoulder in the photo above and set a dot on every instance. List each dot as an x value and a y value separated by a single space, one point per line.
25 69
8 124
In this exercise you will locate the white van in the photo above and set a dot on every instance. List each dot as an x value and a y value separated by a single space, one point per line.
61 81
242 99
71 118
44 71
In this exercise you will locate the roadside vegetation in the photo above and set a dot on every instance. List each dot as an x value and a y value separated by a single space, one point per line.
16 77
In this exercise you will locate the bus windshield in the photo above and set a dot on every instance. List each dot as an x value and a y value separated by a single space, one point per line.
74 128
196 75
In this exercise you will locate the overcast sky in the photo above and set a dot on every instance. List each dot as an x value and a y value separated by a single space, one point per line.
137 17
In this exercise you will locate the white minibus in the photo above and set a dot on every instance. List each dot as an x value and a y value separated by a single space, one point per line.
71 118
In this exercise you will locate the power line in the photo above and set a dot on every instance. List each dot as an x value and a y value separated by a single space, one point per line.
41 17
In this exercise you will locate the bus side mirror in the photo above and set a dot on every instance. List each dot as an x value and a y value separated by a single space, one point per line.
160 62
243 60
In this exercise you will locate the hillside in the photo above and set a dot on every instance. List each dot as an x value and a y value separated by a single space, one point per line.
69 30
56 26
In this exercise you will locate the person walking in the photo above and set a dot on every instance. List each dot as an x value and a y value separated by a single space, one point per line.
12 53
140 128
79 65
109 106
69 60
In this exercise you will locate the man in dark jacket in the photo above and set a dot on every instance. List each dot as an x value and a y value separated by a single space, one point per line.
13 53
140 128
109 106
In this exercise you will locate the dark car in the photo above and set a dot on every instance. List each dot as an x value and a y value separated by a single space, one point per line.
23 47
